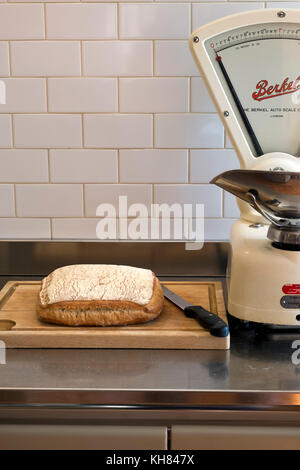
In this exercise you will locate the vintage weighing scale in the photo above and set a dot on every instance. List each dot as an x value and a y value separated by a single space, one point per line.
251 65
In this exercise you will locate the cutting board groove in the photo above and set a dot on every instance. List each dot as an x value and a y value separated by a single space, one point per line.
20 327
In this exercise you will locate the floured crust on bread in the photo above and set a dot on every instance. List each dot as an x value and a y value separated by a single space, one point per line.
102 312
97 282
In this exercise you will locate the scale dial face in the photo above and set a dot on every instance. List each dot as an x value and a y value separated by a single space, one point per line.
258 67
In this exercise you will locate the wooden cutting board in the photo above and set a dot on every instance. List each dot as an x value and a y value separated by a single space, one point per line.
20 327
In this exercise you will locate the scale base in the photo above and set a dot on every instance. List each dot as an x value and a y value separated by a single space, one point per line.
258 275
245 325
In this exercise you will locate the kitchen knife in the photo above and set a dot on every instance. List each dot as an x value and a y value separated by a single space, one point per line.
210 321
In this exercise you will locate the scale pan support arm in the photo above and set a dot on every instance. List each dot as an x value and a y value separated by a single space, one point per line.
275 195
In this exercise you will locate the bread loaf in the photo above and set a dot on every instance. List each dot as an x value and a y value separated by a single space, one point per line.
99 295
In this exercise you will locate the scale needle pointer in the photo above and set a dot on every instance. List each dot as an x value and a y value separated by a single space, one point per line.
244 117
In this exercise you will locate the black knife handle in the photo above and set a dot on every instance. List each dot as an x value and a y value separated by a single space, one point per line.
210 321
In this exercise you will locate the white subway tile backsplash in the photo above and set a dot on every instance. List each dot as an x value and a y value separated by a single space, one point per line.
47 130
42 1
23 166
45 58
114 1
154 21
82 94
118 130
17 228
104 99
206 164
81 21
230 206
217 229
181 1
201 102
7 204
153 166
154 95
88 228
156 228
188 130
210 196
279 4
24 95
174 58
74 229
49 200
5 131
84 166
206 12
96 194
117 58
22 21
92 228
4 59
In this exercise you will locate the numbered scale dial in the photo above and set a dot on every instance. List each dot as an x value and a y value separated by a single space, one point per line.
258 69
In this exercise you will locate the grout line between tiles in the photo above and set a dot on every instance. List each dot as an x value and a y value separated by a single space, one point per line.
49 167
107 39
15 200
45 22
67 149
81 59
94 217
12 131
118 20
83 201
82 131
190 95
141 2
95 76
103 183
153 58
47 95
153 131
118 94
223 203
110 113
9 58
51 227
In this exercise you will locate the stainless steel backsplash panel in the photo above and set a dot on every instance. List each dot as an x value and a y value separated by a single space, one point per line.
164 258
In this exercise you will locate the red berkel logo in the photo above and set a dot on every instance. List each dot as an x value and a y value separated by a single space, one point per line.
266 91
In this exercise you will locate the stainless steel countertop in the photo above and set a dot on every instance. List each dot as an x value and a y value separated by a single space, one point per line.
257 373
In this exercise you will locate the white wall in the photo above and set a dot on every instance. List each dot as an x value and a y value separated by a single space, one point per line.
103 98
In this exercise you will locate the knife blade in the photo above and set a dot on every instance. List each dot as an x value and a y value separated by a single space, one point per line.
214 324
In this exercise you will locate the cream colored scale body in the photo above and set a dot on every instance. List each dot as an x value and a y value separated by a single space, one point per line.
257 275
257 271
